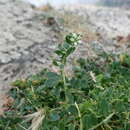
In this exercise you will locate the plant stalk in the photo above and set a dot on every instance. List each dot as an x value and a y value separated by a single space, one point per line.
79 114
64 84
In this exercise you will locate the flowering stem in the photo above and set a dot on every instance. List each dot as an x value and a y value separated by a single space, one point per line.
63 52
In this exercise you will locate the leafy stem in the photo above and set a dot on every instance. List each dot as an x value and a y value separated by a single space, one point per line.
63 52
64 82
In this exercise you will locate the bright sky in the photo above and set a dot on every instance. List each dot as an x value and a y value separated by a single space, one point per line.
58 2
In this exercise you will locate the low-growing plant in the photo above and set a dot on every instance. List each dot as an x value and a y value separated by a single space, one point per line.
96 97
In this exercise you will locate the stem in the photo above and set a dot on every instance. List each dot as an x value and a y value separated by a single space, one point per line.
64 83
63 61
79 114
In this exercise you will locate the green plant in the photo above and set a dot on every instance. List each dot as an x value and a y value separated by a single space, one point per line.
63 51
96 97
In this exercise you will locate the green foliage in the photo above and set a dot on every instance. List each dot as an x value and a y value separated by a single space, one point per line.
65 49
96 97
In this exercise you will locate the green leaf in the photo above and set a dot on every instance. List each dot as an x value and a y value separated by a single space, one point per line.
54 116
89 121
72 110
52 79
70 50
56 63
119 106
71 127
55 128
61 125
104 107
59 52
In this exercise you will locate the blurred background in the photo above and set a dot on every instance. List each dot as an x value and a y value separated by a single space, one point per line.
112 3
61 2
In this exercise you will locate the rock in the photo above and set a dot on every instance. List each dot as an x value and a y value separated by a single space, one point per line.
24 41
110 22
